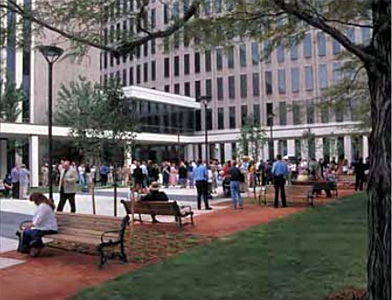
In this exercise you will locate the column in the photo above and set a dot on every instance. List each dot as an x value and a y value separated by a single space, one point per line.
264 152
276 148
333 149
203 152
365 146
291 147
228 152
304 149
347 148
3 158
319 148
34 160
217 152
189 155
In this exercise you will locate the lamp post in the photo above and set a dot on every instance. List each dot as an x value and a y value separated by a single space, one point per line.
204 100
271 139
51 55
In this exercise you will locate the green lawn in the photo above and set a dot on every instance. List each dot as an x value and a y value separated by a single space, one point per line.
305 256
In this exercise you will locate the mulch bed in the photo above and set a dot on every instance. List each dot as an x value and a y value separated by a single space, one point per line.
348 294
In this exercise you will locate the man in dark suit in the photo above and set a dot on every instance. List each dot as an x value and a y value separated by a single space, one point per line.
154 195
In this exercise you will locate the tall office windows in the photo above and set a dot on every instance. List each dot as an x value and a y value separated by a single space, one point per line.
255 54
351 34
166 13
219 62
197 62
232 117
280 51
365 35
243 55
131 76
309 78
323 76
244 86
294 51
186 64
268 82
295 80
282 81
270 113
145 72
244 114
337 74
297 113
208 61
221 118
219 86
138 71
153 70
324 114
177 89
187 89
153 45
256 84
185 6
309 112
167 88
166 68
308 46
218 6
282 147
176 65
335 47
282 113
256 114
231 87
197 89
321 44
326 149
198 121
267 52
209 87
124 77
230 58
153 18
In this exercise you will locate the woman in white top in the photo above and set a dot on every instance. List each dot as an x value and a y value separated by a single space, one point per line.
44 222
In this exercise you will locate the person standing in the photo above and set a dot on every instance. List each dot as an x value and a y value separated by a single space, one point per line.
235 178
82 170
173 175
279 171
200 176
24 181
138 178
359 174
45 175
182 174
166 174
103 171
67 187
15 181
189 169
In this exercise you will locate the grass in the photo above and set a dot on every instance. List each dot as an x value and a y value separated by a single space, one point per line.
305 256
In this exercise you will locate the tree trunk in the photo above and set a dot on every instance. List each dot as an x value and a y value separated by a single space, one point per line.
379 188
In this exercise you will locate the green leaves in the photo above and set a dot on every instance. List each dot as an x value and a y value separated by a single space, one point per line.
11 101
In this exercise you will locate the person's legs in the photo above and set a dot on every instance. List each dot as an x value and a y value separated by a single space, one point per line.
283 193
205 194
71 199
276 186
240 202
233 194
61 204
199 193
29 237
356 182
361 183
15 190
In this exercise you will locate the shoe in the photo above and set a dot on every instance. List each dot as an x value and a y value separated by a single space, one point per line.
34 251
276 206
284 205
208 208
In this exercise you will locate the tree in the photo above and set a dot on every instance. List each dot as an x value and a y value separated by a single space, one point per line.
275 22
251 138
11 100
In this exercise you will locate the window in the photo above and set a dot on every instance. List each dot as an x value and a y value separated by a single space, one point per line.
229 5
167 88
186 64
153 18
256 114
294 51
351 34
221 123
295 80
244 114
282 81
309 112
145 72
176 10
232 117
255 54
197 89
230 58
124 77
282 113
309 78
111 59
308 46
167 67
267 51
218 6
177 88
324 114
187 89
312 148
131 76
198 122
296 113
153 70
321 44
280 51
335 47
209 87
244 86
268 82
176 65
207 7
243 55
256 84
282 147
138 74
231 87
323 76
219 62
165 14
197 62
185 6
219 86
270 113
337 74
365 35
208 61
105 60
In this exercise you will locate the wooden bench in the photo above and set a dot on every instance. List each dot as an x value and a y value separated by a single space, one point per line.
90 234
300 192
162 208
346 182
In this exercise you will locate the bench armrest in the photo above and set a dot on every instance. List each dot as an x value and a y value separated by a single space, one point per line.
24 224
106 232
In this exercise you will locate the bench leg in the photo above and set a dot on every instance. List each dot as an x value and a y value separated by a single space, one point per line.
140 218
179 222
193 224
102 258
123 256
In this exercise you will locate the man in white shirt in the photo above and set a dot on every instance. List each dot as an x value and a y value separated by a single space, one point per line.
81 170
67 187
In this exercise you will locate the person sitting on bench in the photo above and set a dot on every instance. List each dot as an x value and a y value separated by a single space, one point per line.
44 222
154 194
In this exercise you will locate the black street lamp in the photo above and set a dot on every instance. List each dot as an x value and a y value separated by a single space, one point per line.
51 54
271 139
204 100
